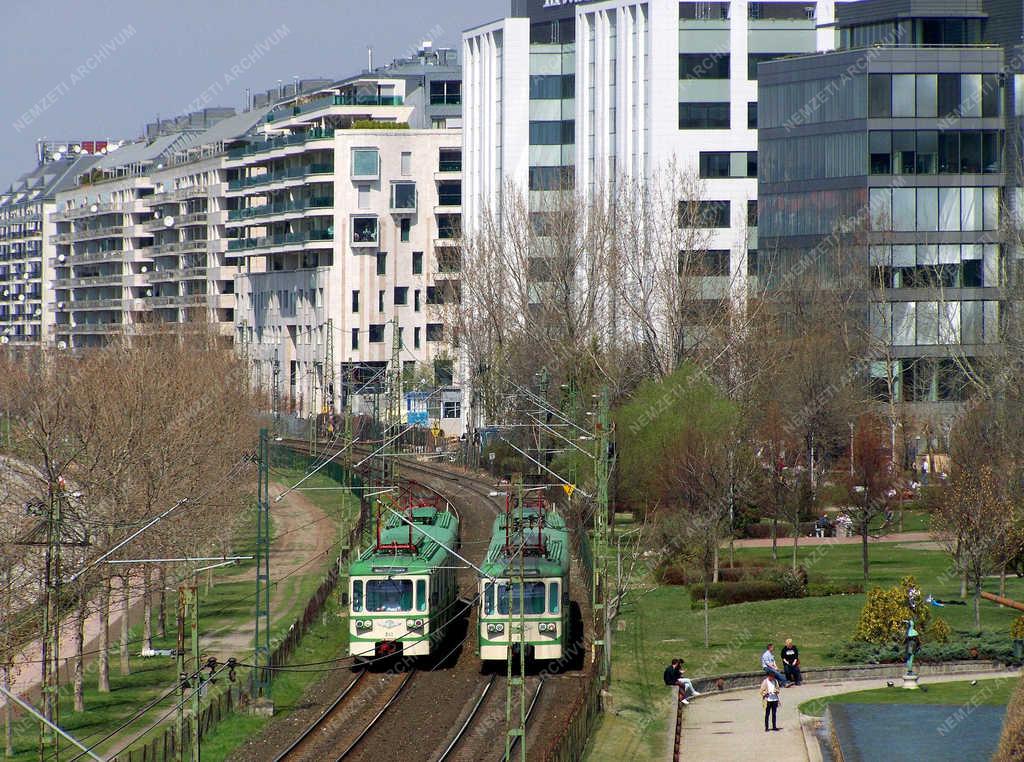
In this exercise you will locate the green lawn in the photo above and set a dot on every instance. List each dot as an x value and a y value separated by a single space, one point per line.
987 692
658 625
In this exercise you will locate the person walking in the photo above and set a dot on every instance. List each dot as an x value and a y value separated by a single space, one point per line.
791 662
771 699
770 667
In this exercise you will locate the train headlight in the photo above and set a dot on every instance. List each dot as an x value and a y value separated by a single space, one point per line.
499 628
419 622
364 624
490 628
410 623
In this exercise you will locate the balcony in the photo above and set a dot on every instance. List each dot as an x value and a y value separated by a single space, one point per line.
267 210
95 304
91 328
273 144
89 281
199 244
86 257
292 173
192 191
282 239
176 274
348 99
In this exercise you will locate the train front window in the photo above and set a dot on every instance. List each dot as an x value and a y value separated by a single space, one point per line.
389 595
533 596
421 595
489 598
357 595
553 597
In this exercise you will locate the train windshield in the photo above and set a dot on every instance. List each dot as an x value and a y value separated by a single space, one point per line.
389 595
533 597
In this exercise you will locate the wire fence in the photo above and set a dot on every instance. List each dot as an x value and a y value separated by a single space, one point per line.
225 702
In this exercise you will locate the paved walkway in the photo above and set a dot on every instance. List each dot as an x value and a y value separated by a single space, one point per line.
730 726
786 543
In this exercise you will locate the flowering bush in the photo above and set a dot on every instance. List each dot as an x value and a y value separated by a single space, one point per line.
883 620
1017 628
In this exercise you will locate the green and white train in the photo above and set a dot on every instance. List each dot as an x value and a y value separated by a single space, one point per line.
402 590
533 612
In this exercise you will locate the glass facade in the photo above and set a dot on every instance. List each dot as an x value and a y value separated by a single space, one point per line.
552 107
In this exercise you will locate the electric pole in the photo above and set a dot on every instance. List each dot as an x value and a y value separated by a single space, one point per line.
602 534
276 391
329 380
260 673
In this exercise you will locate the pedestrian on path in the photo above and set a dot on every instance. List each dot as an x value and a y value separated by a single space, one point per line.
770 667
791 662
771 699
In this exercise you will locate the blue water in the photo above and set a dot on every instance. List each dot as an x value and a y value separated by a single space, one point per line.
913 732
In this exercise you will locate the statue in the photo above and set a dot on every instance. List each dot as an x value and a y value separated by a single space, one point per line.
912 644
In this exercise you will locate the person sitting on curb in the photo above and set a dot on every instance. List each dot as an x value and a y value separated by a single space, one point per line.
769 666
674 677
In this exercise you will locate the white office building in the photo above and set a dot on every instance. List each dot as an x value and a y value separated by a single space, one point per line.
581 93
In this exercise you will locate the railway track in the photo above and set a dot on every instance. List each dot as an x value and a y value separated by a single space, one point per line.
350 718
475 739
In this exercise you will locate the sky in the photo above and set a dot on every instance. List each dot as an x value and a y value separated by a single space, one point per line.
102 69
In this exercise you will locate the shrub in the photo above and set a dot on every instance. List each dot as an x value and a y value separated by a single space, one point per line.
1017 628
728 593
793 584
674 574
1011 744
785 530
961 646
741 573
883 620
938 631
375 124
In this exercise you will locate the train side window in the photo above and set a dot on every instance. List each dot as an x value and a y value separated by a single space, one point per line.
357 595
421 595
489 598
553 597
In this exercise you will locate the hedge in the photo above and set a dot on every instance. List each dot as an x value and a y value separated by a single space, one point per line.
785 530
728 593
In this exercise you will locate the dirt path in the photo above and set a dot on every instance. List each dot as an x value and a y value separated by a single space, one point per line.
304 538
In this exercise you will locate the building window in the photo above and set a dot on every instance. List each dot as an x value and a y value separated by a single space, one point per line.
448 226
704 116
444 373
879 95
417 263
713 262
380 301
703 66
401 295
416 300
416 337
382 263
403 196
449 160
449 193
451 408
552 178
553 133
704 214
753 59
445 92
714 164
365 163
435 332
355 338
752 263
404 228
552 87
406 163
376 333
364 231
929 152
751 115
355 301
752 214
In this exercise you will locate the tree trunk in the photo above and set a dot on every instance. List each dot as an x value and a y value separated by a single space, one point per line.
796 538
707 623
161 621
714 577
5 681
963 585
977 606
79 678
775 537
864 547
103 679
1002 580
126 667
147 608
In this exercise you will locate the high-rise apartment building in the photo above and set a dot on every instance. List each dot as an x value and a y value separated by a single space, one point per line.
899 139
140 235
26 252
346 206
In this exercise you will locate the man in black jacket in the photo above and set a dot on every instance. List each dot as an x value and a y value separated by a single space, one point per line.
791 662
674 676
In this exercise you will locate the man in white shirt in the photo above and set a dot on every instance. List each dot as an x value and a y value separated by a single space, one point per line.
769 666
